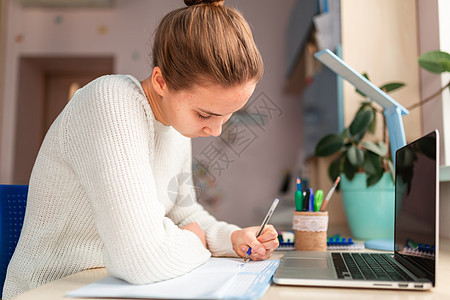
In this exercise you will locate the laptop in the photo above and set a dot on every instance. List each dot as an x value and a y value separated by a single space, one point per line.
412 265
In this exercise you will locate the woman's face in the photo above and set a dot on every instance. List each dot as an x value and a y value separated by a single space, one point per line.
203 109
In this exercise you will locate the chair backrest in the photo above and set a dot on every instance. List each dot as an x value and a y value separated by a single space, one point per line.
13 200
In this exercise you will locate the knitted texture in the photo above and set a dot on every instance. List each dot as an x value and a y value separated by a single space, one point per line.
110 188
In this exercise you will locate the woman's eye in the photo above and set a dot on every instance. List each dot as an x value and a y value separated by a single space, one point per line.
203 117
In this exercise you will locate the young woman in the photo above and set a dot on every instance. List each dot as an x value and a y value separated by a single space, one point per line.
98 193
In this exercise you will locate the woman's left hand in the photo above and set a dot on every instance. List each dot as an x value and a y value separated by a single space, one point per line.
262 247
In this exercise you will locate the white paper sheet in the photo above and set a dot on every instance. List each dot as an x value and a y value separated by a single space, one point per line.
218 278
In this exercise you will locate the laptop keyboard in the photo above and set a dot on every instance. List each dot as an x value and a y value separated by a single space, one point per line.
368 266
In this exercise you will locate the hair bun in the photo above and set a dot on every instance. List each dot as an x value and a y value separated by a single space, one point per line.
207 2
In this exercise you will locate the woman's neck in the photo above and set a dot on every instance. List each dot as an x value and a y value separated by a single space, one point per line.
155 100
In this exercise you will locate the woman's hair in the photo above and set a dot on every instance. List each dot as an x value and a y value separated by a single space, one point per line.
206 42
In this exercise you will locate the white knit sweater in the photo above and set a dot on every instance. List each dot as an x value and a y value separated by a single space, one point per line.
104 193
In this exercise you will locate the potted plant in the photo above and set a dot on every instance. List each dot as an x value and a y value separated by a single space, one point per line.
366 170
365 166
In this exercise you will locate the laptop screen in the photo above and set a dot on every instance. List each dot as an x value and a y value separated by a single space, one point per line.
416 169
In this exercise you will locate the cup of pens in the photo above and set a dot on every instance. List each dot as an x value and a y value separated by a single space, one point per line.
310 219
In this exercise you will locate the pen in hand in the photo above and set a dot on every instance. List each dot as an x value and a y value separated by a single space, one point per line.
266 220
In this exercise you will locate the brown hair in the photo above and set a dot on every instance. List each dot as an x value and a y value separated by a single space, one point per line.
206 42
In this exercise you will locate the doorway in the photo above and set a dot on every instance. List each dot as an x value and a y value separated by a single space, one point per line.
45 86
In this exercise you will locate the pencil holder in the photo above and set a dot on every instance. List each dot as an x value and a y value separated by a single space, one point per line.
310 230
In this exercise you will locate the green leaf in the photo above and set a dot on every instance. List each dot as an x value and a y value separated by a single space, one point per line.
349 169
435 61
355 156
358 127
372 179
358 91
335 168
373 167
391 86
372 164
345 134
380 148
329 145
365 105
373 125
383 147
368 105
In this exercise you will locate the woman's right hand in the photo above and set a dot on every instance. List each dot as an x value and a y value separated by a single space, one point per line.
200 233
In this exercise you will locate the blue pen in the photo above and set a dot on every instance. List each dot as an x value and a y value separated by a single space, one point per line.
266 220
311 200
299 185
299 196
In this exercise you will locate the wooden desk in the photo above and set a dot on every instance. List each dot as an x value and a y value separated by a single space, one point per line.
56 290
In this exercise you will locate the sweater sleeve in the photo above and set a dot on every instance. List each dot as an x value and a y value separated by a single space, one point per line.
218 233
109 143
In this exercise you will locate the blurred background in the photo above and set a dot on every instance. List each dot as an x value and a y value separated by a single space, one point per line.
50 48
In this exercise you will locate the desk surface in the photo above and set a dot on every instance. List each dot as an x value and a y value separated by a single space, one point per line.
56 290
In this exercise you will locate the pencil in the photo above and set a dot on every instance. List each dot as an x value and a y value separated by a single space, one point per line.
330 193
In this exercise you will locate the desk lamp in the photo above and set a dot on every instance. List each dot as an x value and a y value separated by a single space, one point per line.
392 110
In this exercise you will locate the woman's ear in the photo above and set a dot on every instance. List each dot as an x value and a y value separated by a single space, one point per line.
158 82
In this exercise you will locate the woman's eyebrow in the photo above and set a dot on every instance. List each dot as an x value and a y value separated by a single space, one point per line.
207 112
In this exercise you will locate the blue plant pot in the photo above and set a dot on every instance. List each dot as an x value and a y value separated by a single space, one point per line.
369 210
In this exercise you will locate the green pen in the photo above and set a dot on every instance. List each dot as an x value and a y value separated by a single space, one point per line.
318 199
298 201
299 196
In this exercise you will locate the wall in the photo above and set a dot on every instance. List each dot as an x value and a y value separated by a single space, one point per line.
444 39
248 185
379 37
433 34
122 32
43 88
3 11
428 28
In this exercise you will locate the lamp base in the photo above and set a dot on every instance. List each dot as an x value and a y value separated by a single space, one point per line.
380 244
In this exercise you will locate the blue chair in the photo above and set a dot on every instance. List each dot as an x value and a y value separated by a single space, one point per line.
13 200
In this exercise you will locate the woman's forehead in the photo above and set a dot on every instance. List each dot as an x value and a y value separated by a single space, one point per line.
216 99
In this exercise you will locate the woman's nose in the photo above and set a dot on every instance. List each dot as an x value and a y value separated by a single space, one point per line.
216 128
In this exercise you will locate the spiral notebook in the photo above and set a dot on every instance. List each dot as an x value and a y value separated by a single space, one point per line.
218 278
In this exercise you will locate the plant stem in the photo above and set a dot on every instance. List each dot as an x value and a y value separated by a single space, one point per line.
429 98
